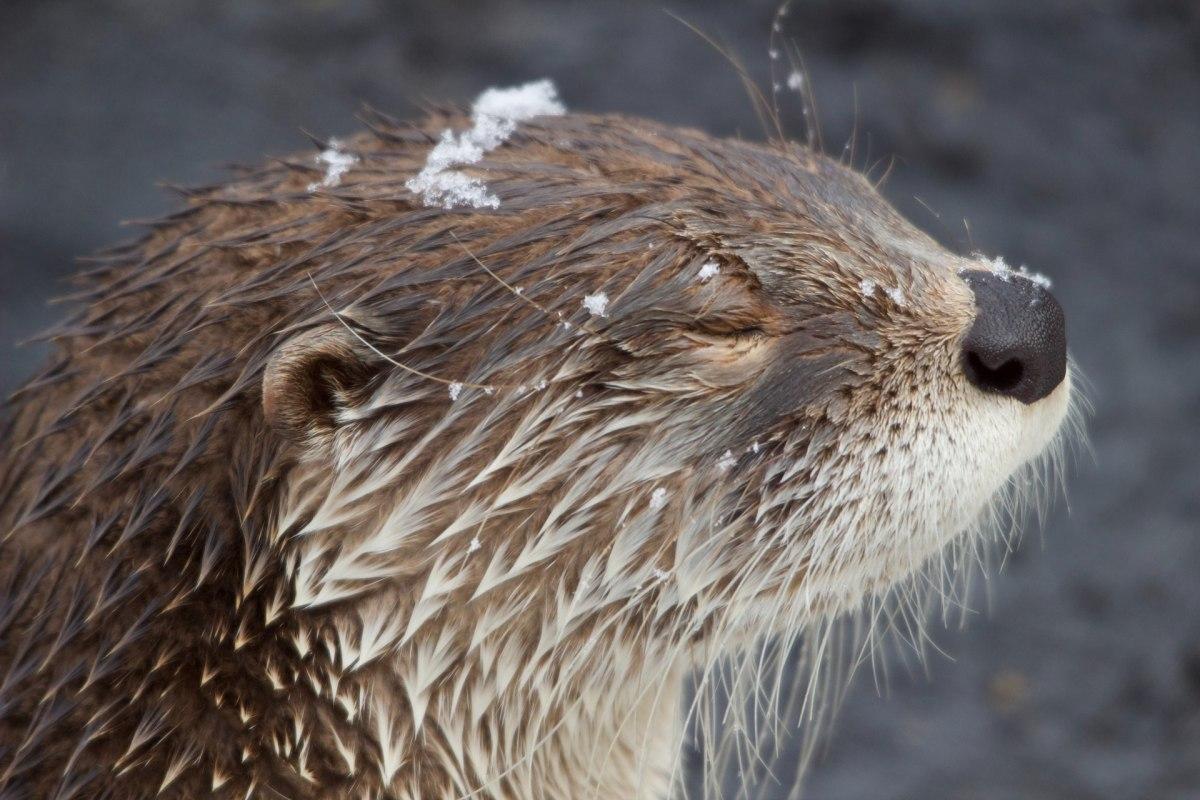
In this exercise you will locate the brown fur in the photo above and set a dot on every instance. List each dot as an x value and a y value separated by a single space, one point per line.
149 642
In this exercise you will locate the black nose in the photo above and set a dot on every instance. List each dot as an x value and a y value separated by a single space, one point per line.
1017 345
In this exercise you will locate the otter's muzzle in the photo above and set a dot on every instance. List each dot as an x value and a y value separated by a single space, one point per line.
1017 346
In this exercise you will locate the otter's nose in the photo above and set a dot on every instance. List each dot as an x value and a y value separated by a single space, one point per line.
1017 345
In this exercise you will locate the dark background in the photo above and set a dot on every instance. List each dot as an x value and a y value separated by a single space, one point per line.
1068 134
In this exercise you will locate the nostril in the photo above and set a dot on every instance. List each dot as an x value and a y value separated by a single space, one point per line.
1002 379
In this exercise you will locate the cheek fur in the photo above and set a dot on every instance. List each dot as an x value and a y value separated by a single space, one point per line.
913 476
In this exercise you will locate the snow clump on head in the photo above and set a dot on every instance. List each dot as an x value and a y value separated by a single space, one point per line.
709 270
1004 272
596 304
337 163
494 117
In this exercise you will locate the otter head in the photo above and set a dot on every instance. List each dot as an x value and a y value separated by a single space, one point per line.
710 379
350 495
665 392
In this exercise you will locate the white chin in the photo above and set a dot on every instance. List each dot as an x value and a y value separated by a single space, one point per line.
954 479
1042 420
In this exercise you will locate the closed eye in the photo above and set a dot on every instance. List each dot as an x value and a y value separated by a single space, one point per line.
734 338
752 333
711 328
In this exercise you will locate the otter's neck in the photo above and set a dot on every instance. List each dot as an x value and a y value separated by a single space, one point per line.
441 717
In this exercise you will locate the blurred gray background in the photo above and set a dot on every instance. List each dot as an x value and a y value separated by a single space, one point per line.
1067 133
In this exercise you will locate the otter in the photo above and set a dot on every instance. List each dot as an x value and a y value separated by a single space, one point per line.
432 466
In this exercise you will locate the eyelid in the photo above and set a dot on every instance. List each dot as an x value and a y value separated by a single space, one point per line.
750 332
718 326
747 335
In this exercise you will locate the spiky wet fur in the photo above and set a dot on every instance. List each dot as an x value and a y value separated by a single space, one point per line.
252 547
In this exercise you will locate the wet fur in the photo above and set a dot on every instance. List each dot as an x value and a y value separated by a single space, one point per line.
251 547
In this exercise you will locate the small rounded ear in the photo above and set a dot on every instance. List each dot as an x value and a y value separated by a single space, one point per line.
310 379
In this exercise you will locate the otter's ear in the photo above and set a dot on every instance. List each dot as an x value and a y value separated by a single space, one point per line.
311 379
